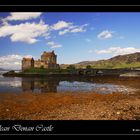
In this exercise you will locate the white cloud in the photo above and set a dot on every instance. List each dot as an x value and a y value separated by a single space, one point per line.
47 35
50 43
73 29
29 32
54 45
105 34
118 51
24 32
11 61
61 25
64 32
22 16
78 29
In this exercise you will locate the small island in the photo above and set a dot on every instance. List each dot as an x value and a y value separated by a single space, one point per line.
47 66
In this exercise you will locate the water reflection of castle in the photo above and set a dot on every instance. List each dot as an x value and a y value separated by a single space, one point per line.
49 84
39 85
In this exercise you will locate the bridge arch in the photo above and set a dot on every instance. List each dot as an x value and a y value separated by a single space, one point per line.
81 72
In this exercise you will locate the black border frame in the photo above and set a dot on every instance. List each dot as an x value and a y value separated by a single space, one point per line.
75 127
70 2
70 8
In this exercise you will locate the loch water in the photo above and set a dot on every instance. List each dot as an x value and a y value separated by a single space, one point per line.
103 85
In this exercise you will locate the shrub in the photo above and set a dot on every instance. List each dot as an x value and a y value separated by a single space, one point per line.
71 67
88 67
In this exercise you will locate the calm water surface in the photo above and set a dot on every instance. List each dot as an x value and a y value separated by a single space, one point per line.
45 85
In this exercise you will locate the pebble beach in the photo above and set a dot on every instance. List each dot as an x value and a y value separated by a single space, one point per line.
69 106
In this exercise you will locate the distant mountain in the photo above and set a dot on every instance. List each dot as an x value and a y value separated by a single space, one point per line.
1 69
128 58
120 61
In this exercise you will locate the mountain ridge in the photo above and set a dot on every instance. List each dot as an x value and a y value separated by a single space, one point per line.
120 61
1 69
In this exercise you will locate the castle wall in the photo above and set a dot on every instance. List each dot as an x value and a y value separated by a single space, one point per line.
53 66
27 64
39 64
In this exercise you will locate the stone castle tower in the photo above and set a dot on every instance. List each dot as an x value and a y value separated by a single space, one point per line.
27 63
48 60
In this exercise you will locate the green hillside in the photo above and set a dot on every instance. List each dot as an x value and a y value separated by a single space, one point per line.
120 61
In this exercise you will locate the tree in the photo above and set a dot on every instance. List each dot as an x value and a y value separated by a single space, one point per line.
71 67
11 71
88 67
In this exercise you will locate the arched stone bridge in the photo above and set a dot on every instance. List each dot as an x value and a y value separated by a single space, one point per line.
102 71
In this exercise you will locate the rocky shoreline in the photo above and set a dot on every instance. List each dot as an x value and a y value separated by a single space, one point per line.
96 72
131 74
69 106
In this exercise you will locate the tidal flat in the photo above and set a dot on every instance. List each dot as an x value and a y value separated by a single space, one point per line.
70 98
69 106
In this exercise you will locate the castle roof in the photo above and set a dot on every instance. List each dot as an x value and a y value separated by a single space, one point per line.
28 58
49 53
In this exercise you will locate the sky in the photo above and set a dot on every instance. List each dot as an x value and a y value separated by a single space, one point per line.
74 36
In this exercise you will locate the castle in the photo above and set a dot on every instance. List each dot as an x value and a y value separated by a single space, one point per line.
48 61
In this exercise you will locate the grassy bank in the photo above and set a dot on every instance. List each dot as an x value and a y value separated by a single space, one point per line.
70 72
37 72
111 65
